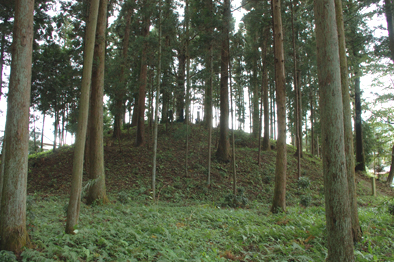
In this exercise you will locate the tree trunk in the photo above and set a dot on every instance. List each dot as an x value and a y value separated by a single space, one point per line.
255 101
266 139
223 152
300 113
156 110
180 98
209 116
250 108
297 98
55 130
76 182
97 191
42 132
120 92
2 59
187 114
338 215
260 130
135 110
391 174
360 159
209 86
13 178
388 8
140 139
312 97
279 201
233 139
347 120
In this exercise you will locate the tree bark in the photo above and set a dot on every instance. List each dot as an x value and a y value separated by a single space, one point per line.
97 191
264 91
55 124
388 8
360 158
297 92
180 98
279 201
391 174
156 110
223 152
2 59
255 101
338 215
76 182
140 139
120 92
266 139
187 106
13 178
312 97
42 132
209 111
347 121
209 86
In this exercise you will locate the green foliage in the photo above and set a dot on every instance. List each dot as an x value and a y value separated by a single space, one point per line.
304 182
123 197
305 200
236 201
180 133
7 256
390 208
200 232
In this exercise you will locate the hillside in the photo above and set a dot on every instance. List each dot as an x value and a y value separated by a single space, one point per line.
128 170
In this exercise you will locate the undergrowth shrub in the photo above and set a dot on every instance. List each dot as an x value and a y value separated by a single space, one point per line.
123 197
7 256
268 178
305 200
304 182
268 174
29 207
390 208
180 133
236 201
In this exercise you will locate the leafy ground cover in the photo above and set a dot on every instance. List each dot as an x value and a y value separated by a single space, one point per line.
128 169
193 232
191 222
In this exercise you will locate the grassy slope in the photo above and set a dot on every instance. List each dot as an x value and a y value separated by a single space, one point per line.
128 169
196 227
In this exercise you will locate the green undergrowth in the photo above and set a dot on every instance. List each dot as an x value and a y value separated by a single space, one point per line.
194 232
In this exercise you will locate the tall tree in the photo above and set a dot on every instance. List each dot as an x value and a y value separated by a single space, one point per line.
13 178
140 139
279 201
97 191
297 93
347 121
156 110
360 157
266 139
223 152
209 90
338 219
76 182
391 173
121 90
388 8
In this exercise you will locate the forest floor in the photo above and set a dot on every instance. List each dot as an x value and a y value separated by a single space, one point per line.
128 169
191 222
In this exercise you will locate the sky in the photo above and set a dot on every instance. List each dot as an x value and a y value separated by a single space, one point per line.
367 82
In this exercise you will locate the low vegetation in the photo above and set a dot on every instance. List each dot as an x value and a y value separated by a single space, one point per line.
191 222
